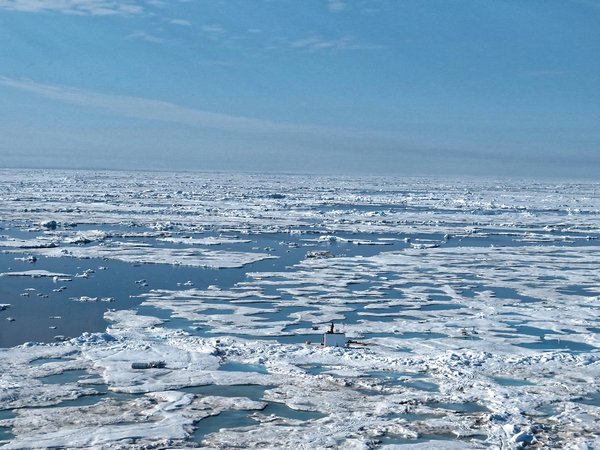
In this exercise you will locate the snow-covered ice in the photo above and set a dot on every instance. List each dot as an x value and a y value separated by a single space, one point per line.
471 306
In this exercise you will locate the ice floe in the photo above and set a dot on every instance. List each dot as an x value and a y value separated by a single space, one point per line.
35 274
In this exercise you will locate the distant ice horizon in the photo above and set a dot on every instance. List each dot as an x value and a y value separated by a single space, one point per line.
551 177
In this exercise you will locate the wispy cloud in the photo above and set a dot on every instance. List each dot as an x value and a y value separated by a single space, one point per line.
148 109
213 29
151 109
80 7
346 43
216 62
336 6
143 36
180 22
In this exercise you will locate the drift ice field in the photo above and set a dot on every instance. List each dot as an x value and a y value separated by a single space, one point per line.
155 310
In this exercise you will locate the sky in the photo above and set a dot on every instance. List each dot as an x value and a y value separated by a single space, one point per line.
391 87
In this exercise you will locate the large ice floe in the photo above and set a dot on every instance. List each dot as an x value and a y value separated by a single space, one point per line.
472 310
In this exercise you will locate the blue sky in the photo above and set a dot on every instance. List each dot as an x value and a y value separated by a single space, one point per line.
407 87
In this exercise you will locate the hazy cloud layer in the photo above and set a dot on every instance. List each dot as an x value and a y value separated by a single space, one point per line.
149 109
336 6
317 43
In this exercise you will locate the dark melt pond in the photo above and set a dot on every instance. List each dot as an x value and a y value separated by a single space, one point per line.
240 367
252 391
241 419
41 361
69 376
558 344
592 399
282 410
227 419
433 441
5 433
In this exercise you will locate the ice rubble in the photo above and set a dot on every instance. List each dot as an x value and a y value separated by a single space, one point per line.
483 344
190 203
136 253
211 240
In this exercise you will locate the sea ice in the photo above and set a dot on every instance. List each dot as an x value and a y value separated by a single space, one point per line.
474 326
